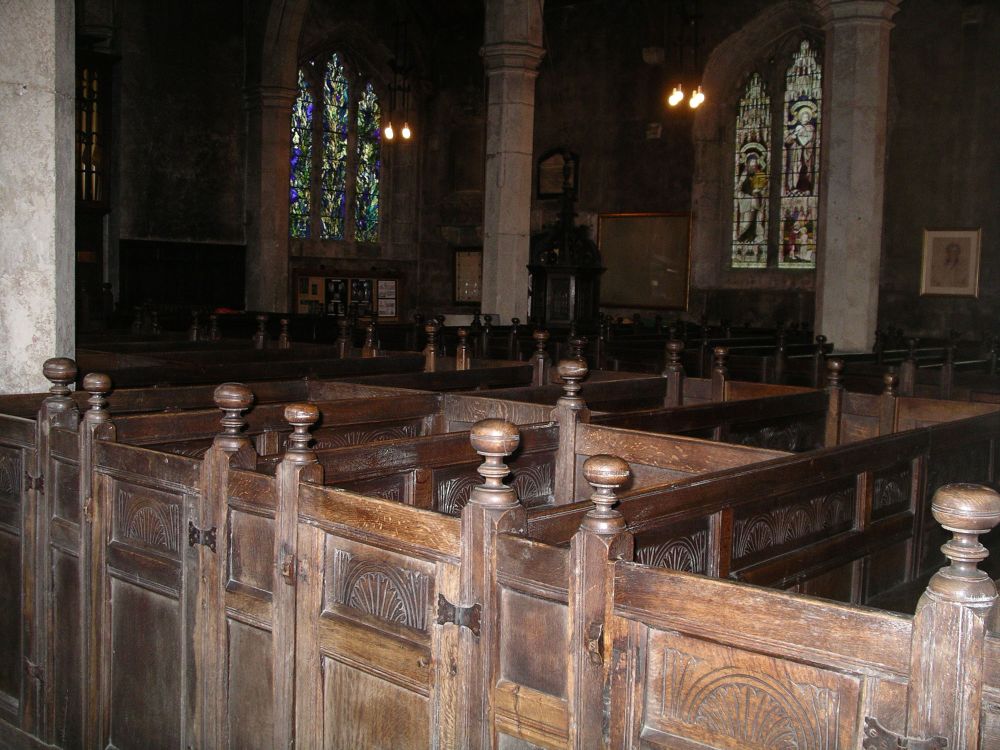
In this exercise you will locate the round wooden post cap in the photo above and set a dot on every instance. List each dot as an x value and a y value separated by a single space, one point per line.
966 508
540 335
675 346
835 365
97 382
233 396
302 414
59 370
494 437
572 369
606 471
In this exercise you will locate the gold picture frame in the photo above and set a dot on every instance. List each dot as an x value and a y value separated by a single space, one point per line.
950 265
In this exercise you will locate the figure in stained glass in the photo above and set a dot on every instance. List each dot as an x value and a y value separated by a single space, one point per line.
369 166
800 160
751 188
300 173
336 106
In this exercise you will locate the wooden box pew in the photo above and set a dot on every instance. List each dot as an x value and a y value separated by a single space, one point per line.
661 658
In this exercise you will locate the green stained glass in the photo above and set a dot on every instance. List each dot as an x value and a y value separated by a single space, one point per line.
300 174
336 105
751 186
800 160
366 211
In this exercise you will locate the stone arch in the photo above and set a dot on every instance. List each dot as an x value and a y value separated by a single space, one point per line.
725 74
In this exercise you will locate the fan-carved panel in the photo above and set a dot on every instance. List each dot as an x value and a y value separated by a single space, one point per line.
776 527
531 478
737 700
147 519
11 476
891 493
380 586
688 552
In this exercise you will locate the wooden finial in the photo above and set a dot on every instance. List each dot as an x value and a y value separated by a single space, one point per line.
155 324
368 348
911 346
494 439
213 328
430 351
966 510
606 474
284 342
260 337
577 345
541 340
98 385
821 344
462 359
834 368
301 417
61 372
194 331
720 353
890 382
572 372
233 399
674 349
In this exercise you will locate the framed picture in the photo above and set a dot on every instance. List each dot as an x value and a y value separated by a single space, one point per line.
646 256
336 297
361 291
550 178
468 276
951 262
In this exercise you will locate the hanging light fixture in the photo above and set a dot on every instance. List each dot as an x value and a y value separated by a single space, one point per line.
686 43
389 132
400 85
676 96
405 132
696 98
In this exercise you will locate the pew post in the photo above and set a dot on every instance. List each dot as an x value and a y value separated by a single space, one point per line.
673 371
719 373
298 463
284 341
577 347
213 328
540 359
58 409
947 372
208 565
569 411
887 404
993 352
194 332
780 360
484 336
95 424
949 627
835 402
601 539
368 349
462 359
430 351
513 345
493 508
908 369
819 360
260 336
343 342
154 325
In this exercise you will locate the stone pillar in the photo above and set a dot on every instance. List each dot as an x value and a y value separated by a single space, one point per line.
856 82
512 53
269 111
37 199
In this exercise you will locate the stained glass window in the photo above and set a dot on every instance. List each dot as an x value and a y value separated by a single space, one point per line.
751 189
300 181
336 184
336 106
369 166
800 161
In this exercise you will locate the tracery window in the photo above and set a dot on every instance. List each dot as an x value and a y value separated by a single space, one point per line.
344 173
794 191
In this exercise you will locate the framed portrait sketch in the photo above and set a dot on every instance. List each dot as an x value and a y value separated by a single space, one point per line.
951 262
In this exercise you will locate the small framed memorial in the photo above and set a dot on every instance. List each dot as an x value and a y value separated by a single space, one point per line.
951 262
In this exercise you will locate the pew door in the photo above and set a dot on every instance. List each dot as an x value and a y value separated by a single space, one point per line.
373 668
142 608
17 499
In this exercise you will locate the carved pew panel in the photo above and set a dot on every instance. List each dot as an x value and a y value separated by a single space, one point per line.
372 664
17 570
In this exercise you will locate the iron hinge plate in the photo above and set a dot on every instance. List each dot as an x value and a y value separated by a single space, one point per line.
464 617
878 737
204 537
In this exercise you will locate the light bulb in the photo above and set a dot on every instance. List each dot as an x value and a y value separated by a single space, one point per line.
405 132
696 98
389 132
675 96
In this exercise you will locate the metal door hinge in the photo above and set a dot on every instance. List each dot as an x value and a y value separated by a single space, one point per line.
201 536
878 737
34 483
464 617
34 671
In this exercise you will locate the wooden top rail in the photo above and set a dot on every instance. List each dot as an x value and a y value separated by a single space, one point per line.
704 416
